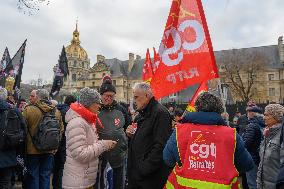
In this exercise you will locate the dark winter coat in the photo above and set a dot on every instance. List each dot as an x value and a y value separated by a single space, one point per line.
242 124
114 119
61 152
253 136
146 169
8 157
271 159
242 158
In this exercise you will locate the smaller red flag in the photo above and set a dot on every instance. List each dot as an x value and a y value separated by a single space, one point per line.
156 62
147 69
202 88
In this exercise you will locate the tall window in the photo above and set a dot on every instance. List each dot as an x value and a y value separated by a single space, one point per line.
114 82
271 91
75 63
83 64
84 84
73 77
270 77
93 84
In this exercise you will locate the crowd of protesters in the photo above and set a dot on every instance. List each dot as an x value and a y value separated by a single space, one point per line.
71 145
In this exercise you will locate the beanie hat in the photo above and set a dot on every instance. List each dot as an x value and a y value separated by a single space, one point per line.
89 96
207 102
275 110
107 85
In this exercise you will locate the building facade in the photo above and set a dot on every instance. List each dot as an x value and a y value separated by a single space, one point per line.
268 87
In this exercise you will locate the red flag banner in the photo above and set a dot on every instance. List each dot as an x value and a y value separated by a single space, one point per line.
202 88
147 69
186 53
156 61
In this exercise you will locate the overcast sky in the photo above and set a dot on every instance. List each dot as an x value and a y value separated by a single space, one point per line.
114 28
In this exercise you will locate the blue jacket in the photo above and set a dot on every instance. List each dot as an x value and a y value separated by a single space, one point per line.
8 157
242 158
253 136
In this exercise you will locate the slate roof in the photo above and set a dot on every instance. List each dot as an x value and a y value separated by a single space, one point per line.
270 54
120 68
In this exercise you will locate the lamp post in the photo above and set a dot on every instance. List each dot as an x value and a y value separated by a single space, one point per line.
223 90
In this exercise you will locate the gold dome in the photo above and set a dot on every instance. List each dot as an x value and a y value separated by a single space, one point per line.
75 49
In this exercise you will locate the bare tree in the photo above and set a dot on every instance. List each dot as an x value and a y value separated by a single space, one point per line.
240 67
29 6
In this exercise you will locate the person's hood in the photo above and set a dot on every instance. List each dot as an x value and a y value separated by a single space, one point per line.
4 105
257 120
45 106
71 114
63 108
206 118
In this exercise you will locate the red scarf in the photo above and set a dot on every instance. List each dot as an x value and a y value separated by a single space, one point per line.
89 116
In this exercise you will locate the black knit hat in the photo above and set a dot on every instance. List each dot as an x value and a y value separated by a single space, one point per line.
107 85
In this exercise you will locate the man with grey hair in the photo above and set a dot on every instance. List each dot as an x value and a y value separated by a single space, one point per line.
39 163
33 97
146 168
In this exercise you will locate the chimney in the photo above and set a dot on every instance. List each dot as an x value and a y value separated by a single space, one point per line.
130 62
100 58
281 49
138 57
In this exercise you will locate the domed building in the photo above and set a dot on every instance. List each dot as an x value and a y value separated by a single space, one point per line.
78 61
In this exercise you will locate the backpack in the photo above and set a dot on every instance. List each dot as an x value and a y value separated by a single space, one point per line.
47 134
11 132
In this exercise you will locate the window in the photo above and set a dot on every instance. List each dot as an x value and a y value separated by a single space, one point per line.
84 84
93 84
73 77
271 91
94 75
114 82
270 77
124 94
75 63
83 65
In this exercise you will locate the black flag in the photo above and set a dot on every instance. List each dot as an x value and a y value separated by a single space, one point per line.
5 60
60 71
15 66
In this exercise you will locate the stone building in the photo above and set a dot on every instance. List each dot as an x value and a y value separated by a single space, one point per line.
269 85
269 80
123 73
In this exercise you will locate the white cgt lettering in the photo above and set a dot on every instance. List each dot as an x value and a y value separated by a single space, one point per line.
178 44
204 150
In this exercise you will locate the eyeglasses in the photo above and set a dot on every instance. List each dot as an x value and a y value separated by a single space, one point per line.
108 96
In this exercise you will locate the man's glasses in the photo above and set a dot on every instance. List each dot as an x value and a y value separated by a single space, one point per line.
108 96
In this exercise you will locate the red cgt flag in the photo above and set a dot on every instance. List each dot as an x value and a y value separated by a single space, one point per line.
147 69
202 88
186 53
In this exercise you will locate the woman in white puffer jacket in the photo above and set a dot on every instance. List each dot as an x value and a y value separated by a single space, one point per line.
82 145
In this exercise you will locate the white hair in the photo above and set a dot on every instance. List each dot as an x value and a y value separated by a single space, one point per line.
42 94
145 87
